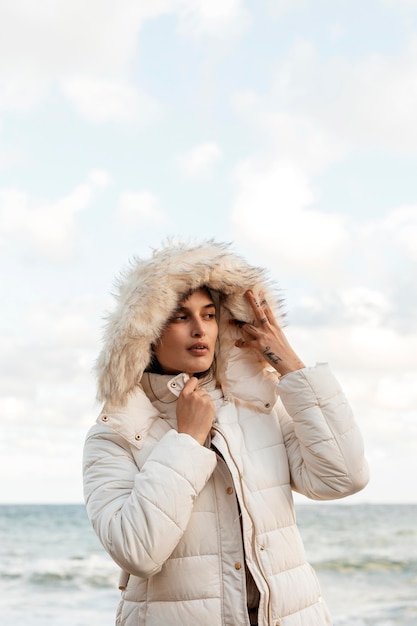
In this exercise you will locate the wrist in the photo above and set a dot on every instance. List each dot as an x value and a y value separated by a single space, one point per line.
197 436
286 368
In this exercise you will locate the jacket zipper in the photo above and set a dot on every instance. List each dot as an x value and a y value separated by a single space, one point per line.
242 498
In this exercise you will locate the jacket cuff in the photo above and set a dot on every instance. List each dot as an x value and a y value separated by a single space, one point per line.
308 386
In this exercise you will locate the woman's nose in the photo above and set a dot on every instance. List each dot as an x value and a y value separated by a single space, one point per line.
198 329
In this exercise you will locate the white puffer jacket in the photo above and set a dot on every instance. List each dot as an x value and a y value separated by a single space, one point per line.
188 524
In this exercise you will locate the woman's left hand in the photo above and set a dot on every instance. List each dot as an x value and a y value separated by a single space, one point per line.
266 336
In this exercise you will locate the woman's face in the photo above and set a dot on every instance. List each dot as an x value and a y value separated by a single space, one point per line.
187 344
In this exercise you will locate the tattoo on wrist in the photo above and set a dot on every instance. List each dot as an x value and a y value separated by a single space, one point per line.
271 356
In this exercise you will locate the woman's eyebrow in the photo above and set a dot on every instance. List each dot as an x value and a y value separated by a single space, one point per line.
211 305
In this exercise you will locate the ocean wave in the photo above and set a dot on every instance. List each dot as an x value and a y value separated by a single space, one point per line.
367 564
383 614
94 571
366 558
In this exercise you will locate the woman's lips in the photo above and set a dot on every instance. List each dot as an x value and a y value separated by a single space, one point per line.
198 349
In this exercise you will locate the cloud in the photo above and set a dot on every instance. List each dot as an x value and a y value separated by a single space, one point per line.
47 228
89 49
398 393
220 19
136 208
401 4
315 113
376 366
40 44
47 394
57 37
348 279
200 160
20 93
272 210
345 306
319 109
343 270
101 100
10 156
287 133
48 358
378 102
370 101
280 7
400 227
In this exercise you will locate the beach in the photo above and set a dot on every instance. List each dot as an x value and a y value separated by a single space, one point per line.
54 572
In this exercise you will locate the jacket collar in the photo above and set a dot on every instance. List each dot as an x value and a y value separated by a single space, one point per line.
133 420
164 388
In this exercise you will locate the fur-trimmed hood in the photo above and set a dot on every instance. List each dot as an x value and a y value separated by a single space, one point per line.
148 294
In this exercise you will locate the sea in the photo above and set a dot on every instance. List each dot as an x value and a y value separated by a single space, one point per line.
54 572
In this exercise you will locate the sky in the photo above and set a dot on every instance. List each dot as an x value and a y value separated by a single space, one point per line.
286 127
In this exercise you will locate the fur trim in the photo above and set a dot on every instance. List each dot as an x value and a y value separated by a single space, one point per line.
148 294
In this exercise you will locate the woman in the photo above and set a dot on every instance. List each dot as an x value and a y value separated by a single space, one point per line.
210 419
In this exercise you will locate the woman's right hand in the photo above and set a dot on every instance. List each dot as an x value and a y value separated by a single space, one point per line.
267 337
195 411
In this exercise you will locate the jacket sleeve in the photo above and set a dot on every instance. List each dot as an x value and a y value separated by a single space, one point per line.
140 516
323 442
